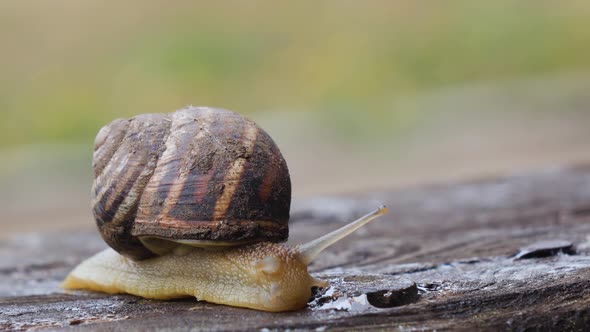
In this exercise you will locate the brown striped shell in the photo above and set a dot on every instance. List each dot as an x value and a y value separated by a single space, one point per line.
196 175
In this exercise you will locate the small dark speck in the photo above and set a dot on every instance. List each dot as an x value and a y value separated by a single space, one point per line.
76 322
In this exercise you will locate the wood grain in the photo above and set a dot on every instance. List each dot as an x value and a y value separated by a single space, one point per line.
495 254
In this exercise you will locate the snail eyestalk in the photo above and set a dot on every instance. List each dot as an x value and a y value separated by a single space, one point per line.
310 250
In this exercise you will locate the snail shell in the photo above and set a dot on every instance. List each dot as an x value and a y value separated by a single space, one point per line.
199 176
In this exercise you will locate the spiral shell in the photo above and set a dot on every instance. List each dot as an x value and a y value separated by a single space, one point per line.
196 174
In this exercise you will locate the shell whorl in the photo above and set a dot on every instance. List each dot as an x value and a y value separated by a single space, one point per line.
196 174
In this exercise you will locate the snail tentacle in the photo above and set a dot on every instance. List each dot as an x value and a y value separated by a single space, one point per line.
310 250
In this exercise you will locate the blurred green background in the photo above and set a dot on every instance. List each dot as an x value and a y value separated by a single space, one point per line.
358 95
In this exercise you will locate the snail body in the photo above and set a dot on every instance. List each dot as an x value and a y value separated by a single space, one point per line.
264 276
195 203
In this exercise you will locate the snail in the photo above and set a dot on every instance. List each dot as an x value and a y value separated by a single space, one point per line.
196 203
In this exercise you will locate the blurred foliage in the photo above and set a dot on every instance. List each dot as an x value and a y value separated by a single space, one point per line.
69 67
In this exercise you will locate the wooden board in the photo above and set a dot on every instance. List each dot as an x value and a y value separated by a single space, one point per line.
494 254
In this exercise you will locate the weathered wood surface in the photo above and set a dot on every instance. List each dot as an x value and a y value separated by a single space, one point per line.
508 253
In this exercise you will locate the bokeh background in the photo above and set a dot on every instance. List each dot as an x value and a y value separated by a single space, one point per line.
359 95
